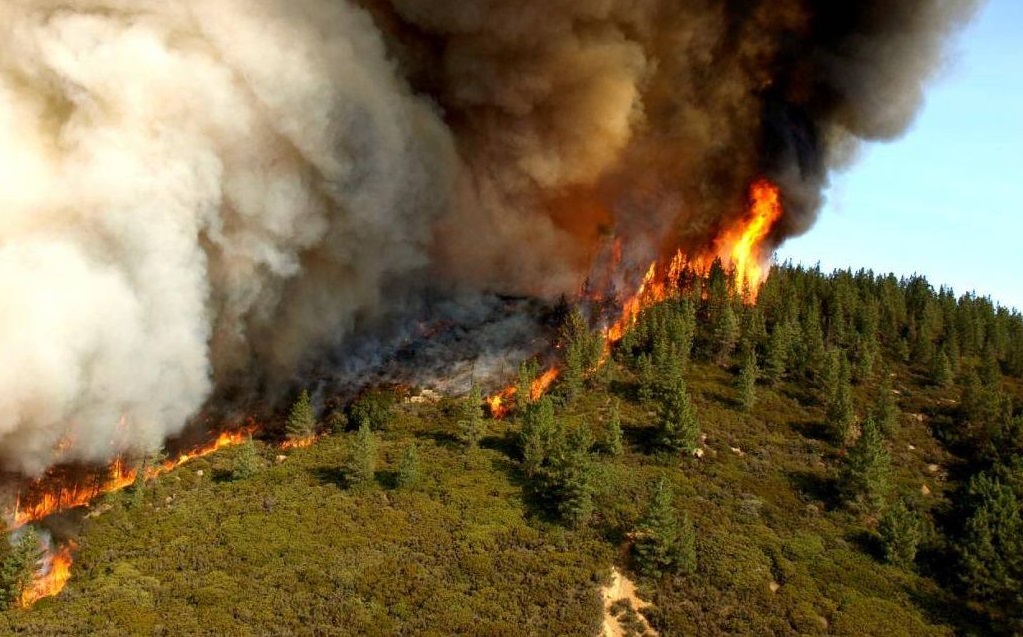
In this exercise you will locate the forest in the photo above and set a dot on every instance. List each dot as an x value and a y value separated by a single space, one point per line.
842 457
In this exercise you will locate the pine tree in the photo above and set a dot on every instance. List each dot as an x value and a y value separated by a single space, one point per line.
301 422
19 566
748 381
647 377
472 426
528 372
840 414
778 346
941 370
885 411
246 462
569 479
900 533
726 334
408 468
613 441
664 542
362 460
679 429
865 475
541 434
991 549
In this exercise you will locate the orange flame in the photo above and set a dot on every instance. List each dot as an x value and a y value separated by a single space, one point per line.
55 573
299 443
740 249
499 404
61 497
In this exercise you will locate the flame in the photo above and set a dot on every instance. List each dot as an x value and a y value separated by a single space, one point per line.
742 248
49 499
299 443
54 575
500 404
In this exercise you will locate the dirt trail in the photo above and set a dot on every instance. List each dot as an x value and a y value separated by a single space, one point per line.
618 624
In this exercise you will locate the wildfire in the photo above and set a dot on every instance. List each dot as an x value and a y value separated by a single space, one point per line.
739 248
500 404
742 248
48 499
298 443
54 574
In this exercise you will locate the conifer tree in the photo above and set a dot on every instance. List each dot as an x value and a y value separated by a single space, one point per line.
679 429
569 479
865 474
472 426
991 550
778 346
19 566
941 370
613 442
541 434
528 372
246 462
726 334
664 541
362 460
647 377
748 381
408 468
840 414
301 422
885 411
900 533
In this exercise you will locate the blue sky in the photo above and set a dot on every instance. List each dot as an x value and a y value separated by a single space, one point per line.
946 200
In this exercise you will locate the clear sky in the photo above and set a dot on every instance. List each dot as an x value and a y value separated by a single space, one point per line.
946 200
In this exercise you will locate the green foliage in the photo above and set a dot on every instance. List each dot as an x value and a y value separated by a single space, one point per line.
408 468
374 409
748 382
337 422
301 422
900 533
583 350
528 372
678 428
362 460
613 442
727 331
246 461
778 350
472 425
664 541
991 549
941 370
840 414
541 434
568 480
885 410
866 473
19 565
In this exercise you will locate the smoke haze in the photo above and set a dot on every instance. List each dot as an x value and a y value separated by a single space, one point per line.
192 191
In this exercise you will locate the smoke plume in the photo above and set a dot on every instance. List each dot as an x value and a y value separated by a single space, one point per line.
194 191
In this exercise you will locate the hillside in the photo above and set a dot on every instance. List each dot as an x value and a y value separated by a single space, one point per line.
846 452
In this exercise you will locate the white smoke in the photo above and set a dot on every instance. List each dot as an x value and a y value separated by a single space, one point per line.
167 170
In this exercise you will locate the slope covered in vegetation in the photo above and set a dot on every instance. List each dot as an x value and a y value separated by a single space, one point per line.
841 458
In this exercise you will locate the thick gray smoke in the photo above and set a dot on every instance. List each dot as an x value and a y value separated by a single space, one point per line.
194 190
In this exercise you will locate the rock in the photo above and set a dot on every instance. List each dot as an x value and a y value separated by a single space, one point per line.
925 490
168 499
280 458
774 586
703 439
698 452
200 473
933 468
911 447
737 451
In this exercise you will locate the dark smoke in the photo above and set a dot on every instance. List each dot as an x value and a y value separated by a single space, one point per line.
195 192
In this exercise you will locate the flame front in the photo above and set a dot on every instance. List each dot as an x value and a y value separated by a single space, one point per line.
61 497
54 575
740 249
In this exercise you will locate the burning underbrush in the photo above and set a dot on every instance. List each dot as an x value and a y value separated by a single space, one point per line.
453 344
